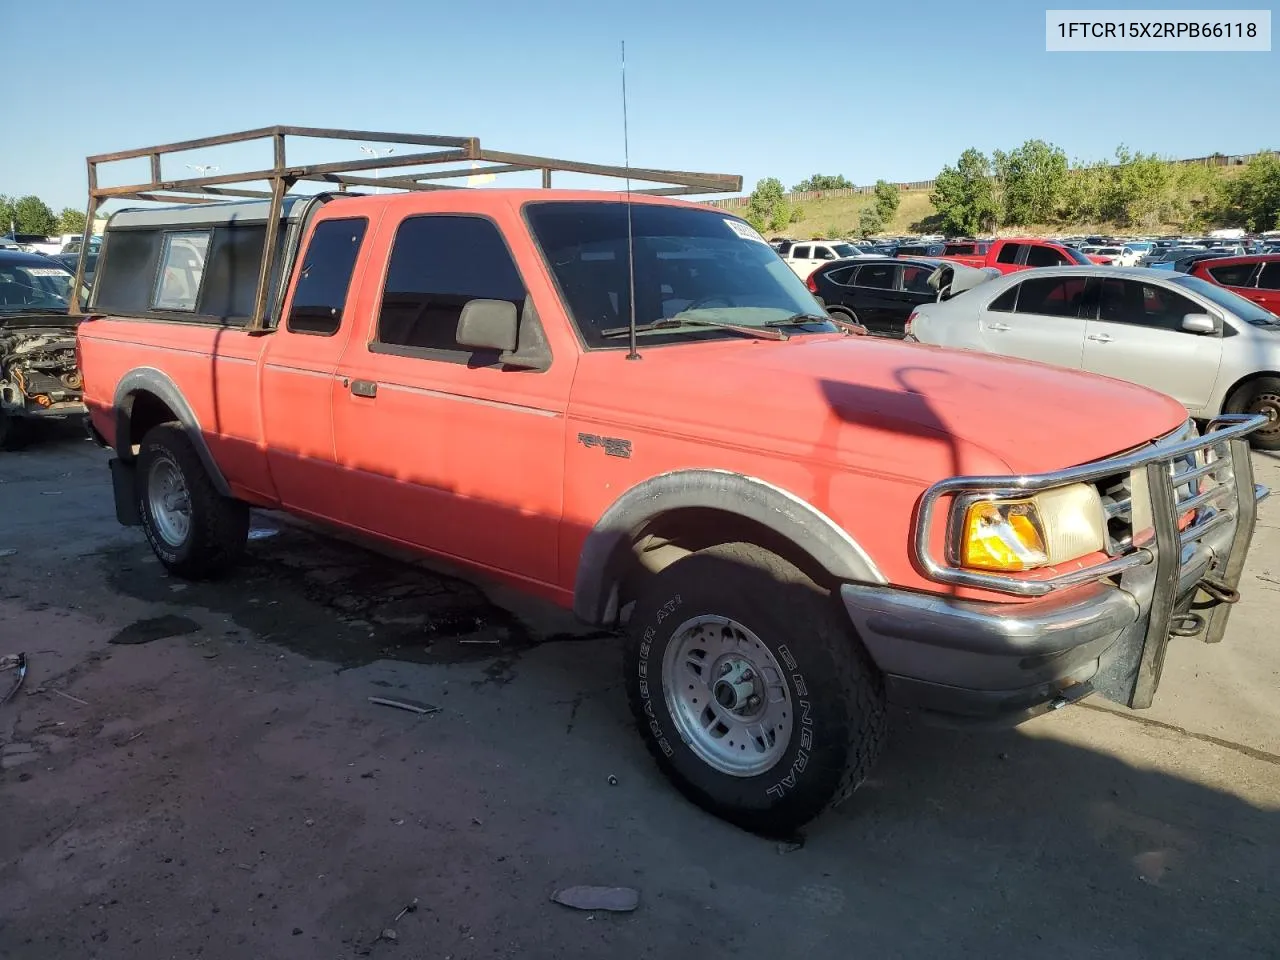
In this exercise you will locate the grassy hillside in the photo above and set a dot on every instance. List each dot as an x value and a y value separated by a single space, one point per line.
838 217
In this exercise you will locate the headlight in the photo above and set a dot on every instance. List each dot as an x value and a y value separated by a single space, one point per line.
1051 527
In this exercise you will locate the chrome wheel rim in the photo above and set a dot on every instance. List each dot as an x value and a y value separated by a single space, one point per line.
169 502
727 696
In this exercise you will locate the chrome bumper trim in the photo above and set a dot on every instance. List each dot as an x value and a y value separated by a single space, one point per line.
1049 624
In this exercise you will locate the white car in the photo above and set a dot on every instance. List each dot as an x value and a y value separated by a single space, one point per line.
1201 344
805 256
1116 256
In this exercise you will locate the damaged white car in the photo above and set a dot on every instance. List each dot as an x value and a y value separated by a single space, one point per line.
39 378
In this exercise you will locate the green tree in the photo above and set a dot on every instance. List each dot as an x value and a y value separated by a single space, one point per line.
822 181
1032 179
1140 189
33 216
870 221
1252 199
888 196
70 220
767 207
963 195
1081 200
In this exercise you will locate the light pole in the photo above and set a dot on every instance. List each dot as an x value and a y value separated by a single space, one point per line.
202 168
375 153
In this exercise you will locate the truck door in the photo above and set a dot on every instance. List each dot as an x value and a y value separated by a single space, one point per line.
301 363
444 447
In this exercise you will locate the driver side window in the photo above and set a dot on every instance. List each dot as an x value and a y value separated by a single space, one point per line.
1143 304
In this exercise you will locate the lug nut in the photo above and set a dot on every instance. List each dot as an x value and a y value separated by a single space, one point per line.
748 675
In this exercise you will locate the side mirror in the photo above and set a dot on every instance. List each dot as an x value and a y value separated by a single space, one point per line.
1199 323
488 325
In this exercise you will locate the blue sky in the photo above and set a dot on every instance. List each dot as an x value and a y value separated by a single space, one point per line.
755 87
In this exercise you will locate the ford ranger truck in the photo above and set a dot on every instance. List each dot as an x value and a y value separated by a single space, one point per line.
793 525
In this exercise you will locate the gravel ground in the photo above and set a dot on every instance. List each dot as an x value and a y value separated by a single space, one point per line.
196 771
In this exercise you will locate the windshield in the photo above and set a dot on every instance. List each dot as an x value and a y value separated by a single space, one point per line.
1077 257
28 288
699 264
1246 310
845 250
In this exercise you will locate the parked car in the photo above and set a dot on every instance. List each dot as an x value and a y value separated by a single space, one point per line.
39 379
881 294
1213 351
793 525
1255 278
72 261
1009 255
1115 256
73 245
804 256
932 249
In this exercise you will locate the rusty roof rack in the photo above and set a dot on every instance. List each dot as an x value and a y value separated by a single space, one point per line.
281 176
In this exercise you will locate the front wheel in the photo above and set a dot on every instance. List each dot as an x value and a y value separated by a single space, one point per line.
1260 396
751 689
195 531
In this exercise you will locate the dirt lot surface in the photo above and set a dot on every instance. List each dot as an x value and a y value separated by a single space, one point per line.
196 771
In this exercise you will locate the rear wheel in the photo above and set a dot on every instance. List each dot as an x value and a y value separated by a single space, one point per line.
195 531
1260 396
751 690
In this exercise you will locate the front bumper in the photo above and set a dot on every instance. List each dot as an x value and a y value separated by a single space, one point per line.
997 659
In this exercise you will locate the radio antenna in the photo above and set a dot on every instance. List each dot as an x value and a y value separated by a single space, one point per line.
631 242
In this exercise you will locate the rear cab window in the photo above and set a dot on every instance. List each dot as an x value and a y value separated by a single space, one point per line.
1009 253
324 277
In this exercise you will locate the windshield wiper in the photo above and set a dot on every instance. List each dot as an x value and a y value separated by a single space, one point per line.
801 318
678 321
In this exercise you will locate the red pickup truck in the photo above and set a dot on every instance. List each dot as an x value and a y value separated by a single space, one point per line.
630 406
1008 255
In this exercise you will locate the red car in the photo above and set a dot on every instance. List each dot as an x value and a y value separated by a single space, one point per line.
1255 277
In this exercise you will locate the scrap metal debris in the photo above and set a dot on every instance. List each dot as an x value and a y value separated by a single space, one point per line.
8 552
614 899
413 706
67 696
410 907
18 662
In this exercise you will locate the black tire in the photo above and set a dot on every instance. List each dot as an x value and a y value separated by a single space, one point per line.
1260 396
846 314
218 527
828 674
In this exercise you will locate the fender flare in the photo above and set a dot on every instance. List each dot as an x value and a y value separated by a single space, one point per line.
750 497
157 382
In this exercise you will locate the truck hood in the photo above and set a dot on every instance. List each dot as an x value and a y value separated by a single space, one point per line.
902 408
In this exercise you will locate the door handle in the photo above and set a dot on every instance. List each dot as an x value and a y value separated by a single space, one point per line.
364 388
1099 337
998 327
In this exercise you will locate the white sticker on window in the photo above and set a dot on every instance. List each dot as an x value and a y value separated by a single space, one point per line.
45 272
745 231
